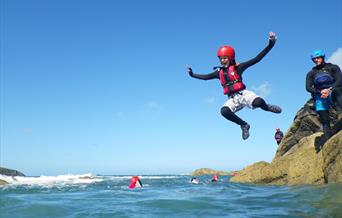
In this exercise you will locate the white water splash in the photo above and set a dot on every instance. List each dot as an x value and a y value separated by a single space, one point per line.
52 180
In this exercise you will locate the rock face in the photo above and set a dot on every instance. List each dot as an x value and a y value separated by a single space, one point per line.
3 182
10 172
306 123
207 171
302 156
332 159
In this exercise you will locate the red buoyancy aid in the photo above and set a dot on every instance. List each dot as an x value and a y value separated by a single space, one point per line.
231 81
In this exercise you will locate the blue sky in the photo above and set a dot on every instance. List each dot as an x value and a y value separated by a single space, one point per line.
101 86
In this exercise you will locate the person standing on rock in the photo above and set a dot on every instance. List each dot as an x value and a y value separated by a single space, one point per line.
230 76
278 136
324 82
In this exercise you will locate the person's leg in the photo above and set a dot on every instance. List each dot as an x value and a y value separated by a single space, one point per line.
228 111
325 121
322 106
260 103
229 115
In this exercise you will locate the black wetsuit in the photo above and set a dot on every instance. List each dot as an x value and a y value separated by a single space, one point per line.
240 68
331 69
278 136
335 73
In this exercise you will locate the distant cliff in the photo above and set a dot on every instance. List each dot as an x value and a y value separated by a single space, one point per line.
302 157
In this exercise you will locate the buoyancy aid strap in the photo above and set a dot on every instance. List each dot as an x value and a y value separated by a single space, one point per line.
225 75
228 83
233 82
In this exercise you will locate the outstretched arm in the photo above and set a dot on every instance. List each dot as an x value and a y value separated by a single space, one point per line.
272 40
213 75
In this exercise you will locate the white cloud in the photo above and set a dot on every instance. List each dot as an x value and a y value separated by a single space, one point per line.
210 100
153 105
150 107
262 90
336 58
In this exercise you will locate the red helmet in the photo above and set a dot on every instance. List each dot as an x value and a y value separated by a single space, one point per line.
226 51
134 179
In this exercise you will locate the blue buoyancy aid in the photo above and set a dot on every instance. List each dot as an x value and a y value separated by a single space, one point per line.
323 80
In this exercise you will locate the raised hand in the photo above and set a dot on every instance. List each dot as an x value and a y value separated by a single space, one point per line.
272 36
325 93
189 70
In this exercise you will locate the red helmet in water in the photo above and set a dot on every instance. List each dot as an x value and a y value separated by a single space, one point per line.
226 51
134 179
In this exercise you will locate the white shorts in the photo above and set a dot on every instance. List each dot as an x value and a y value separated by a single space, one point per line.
241 99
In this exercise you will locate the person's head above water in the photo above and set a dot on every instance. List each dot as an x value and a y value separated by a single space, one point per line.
194 180
135 182
317 57
215 178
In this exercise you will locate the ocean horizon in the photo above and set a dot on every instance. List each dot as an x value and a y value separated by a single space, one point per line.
88 195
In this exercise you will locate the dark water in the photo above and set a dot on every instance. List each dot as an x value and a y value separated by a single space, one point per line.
163 196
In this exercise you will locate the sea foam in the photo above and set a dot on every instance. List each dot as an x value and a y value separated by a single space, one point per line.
52 180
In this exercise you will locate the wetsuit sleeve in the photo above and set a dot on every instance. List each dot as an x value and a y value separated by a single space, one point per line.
310 85
336 73
243 66
213 75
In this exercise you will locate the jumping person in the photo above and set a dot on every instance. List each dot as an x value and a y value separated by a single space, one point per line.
230 76
324 82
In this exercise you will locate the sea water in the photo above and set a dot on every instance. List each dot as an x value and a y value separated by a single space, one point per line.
162 196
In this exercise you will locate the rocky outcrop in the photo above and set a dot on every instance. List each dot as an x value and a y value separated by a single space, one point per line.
3 182
306 123
207 171
302 157
332 159
10 172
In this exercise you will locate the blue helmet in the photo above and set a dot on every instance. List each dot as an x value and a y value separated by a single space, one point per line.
317 53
